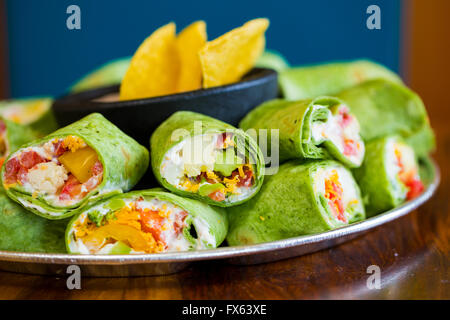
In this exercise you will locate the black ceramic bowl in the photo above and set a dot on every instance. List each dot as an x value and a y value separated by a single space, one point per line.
139 118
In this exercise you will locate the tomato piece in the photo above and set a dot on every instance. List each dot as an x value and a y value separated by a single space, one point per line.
71 189
12 167
415 188
30 158
152 222
59 148
179 224
22 175
217 196
245 181
350 147
338 209
221 140
97 168
2 126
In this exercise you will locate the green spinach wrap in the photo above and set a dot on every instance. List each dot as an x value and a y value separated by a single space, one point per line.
35 112
76 166
12 136
387 108
309 129
197 156
389 174
308 82
110 73
22 231
147 221
272 60
302 198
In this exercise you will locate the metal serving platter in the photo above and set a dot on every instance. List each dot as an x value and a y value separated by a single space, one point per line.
166 263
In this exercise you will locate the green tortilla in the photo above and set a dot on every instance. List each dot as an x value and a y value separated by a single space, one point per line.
124 162
380 189
287 206
110 73
17 135
307 82
294 120
272 60
35 112
22 231
387 108
215 218
182 125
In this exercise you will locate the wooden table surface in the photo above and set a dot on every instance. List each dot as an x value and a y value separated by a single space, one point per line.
412 253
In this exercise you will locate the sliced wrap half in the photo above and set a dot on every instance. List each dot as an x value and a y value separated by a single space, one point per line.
302 198
203 158
35 112
308 82
74 167
309 129
387 108
389 175
147 221
23 231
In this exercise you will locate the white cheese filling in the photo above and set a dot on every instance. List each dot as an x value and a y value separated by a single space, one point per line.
333 131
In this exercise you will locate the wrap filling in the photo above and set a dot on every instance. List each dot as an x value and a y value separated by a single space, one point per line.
25 112
338 193
61 171
403 169
336 125
138 225
210 165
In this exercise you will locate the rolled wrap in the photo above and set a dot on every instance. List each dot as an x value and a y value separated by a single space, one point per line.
154 221
108 74
183 128
123 162
22 231
295 121
308 82
389 175
272 60
294 202
34 112
387 108
12 136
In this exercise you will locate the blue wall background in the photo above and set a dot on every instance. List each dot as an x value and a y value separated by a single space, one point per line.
46 57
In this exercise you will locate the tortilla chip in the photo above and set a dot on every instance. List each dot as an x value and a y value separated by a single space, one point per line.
189 43
154 68
226 59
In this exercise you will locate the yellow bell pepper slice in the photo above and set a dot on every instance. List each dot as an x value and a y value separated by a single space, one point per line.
80 162
129 235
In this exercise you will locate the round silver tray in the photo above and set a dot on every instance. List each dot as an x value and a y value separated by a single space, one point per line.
166 263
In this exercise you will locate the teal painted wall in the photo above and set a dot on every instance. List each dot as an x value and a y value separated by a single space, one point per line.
46 57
